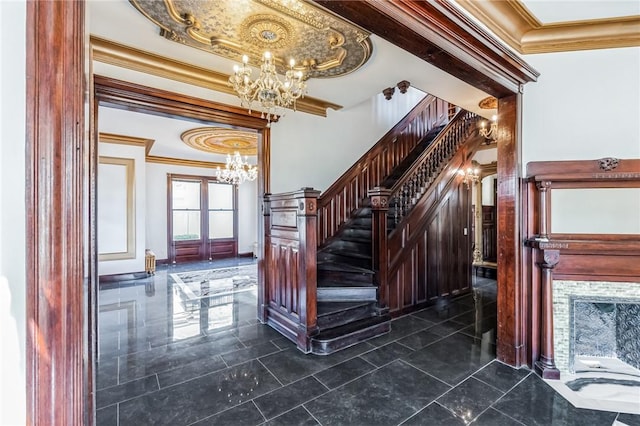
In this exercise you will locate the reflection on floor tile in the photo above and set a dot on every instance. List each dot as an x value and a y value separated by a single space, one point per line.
210 362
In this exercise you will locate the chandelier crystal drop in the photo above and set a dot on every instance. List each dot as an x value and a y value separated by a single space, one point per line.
268 91
236 170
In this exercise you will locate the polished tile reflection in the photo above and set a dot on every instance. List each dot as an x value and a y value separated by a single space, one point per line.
192 354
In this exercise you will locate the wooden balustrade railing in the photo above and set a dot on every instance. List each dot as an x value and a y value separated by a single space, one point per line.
288 298
345 195
406 192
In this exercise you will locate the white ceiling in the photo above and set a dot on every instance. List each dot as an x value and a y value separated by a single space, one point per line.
119 21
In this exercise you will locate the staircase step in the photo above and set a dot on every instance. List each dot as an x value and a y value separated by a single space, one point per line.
347 294
343 282
334 339
335 314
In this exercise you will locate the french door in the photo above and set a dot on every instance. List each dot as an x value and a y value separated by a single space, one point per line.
202 219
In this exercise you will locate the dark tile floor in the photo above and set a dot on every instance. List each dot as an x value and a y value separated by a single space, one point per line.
166 363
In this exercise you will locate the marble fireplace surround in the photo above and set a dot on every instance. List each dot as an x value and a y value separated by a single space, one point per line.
565 293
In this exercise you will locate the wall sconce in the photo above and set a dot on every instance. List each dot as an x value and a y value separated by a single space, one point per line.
403 86
469 176
388 93
490 133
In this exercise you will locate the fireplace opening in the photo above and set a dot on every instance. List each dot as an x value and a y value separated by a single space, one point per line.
605 335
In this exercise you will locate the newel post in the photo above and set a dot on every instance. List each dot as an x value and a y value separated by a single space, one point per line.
545 366
379 207
307 199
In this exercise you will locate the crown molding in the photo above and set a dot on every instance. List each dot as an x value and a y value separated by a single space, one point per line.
183 162
117 54
127 140
519 28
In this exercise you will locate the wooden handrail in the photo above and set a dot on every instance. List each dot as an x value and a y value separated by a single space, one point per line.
345 195
406 192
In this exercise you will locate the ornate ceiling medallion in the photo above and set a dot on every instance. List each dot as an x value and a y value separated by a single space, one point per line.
488 103
266 32
323 44
221 140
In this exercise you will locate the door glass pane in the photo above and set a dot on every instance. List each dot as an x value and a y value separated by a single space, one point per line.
220 224
186 225
220 196
186 195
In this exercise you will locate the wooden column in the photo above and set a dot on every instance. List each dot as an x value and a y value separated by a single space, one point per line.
544 210
545 365
263 261
477 218
379 207
59 362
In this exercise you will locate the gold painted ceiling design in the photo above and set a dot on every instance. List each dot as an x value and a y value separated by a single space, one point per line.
221 140
322 44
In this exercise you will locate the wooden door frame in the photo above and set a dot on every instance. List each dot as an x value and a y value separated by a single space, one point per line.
60 178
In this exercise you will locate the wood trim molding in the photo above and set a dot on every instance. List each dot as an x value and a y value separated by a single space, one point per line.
520 29
182 162
117 54
442 35
58 357
127 140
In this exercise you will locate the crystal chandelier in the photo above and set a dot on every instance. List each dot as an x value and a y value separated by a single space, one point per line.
267 90
236 171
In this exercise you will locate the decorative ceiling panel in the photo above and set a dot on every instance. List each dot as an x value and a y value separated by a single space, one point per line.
322 44
221 140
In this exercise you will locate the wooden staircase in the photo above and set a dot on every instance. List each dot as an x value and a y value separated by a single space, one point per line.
346 275
326 280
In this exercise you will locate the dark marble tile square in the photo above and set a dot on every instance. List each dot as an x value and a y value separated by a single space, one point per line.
434 415
420 339
124 391
344 372
283 343
291 365
242 355
453 358
191 370
446 328
199 398
442 311
296 417
492 417
245 414
106 373
533 402
469 399
385 354
107 416
284 399
386 396
629 419
501 376
400 328
256 334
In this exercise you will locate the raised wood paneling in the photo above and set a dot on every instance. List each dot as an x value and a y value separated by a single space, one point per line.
288 302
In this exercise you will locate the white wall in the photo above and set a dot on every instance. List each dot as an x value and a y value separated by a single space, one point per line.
312 151
12 212
156 199
136 153
585 106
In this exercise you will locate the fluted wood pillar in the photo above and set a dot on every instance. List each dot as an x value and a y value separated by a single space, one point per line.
545 366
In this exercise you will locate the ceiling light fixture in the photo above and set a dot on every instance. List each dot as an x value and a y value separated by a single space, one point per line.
267 90
236 171
490 133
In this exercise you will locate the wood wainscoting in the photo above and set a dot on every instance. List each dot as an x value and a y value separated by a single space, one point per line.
571 256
